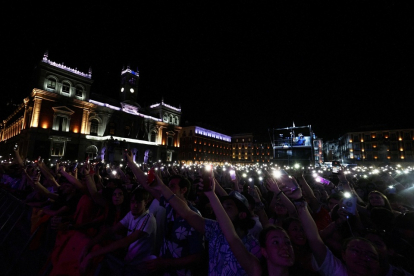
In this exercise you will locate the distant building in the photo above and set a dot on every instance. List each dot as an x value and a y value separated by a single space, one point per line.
331 150
377 146
248 148
199 145
61 119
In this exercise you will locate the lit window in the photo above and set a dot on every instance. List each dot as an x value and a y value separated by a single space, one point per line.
57 148
94 127
65 87
79 91
51 83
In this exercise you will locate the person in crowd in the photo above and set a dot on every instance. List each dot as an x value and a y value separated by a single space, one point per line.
221 258
359 255
75 231
182 246
141 227
275 245
303 253
280 207
379 239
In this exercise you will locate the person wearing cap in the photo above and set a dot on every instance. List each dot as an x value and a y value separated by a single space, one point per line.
222 261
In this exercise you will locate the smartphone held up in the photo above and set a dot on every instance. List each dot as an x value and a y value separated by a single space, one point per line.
207 178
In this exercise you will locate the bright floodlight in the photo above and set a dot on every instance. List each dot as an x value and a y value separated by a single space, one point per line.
315 175
297 166
390 186
250 179
347 194
318 179
260 178
244 175
114 172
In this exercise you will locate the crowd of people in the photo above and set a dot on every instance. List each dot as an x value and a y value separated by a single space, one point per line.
261 219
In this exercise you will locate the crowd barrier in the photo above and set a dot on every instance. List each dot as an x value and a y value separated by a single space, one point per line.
15 236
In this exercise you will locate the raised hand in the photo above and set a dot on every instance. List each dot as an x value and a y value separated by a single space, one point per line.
271 185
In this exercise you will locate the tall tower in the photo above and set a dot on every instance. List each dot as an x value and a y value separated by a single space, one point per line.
128 90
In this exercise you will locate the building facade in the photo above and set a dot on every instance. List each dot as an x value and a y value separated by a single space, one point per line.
377 146
199 145
62 119
247 150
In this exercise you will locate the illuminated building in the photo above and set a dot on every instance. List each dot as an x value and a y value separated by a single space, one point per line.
62 119
377 146
199 145
246 150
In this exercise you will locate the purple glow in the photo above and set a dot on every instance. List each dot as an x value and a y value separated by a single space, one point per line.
212 134
61 66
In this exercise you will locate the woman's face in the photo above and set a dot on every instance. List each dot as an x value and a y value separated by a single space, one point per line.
278 250
296 233
117 197
376 200
280 209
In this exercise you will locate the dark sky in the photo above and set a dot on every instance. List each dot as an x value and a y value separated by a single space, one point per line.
238 68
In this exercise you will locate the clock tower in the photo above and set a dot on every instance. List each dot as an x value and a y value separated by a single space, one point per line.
128 90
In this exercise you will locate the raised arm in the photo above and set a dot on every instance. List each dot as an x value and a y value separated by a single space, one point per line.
18 158
34 182
259 207
313 202
272 186
46 173
247 260
140 176
219 190
181 207
73 180
311 231
97 197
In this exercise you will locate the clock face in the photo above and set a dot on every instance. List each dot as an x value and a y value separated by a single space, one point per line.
165 118
131 90
122 89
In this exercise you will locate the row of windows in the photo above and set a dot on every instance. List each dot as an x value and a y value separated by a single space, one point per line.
388 146
51 84
392 157
393 136
243 140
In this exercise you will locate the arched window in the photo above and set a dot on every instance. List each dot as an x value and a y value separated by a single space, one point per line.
91 151
65 87
51 83
79 91
94 127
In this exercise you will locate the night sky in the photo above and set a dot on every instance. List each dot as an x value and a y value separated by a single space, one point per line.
236 68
